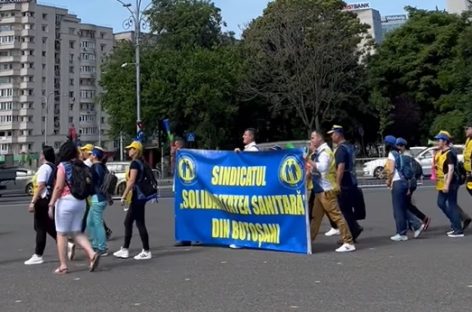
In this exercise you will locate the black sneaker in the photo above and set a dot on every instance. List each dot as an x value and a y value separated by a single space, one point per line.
466 224
456 234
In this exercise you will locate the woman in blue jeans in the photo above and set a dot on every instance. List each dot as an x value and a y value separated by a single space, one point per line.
98 202
447 184
401 191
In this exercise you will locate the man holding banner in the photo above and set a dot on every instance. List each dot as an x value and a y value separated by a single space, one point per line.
323 171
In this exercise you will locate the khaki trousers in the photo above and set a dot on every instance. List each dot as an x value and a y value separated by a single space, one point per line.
327 202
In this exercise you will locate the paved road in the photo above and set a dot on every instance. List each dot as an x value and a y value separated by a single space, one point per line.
428 274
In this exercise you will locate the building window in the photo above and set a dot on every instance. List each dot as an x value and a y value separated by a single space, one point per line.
71 44
71 94
45 16
71 82
43 53
44 28
71 119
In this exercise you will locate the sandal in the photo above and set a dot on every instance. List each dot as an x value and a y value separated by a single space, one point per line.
94 262
61 271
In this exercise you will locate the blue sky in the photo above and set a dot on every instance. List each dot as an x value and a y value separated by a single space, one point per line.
236 13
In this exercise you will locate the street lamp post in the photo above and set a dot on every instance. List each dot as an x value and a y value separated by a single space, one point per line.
136 19
46 116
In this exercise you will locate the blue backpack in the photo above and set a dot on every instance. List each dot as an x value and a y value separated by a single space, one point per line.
408 168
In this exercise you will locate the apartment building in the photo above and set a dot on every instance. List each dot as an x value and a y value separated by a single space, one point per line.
49 73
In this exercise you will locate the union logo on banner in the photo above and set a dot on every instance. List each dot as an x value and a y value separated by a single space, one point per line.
291 172
187 169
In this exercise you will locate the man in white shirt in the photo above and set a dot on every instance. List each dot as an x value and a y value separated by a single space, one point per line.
249 141
323 171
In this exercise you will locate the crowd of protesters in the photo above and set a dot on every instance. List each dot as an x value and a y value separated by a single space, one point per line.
72 216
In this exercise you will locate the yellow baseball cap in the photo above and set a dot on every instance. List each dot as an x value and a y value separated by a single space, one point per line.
136 145
87 148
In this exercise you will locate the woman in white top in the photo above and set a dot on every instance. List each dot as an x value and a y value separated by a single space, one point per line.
400 199
43 225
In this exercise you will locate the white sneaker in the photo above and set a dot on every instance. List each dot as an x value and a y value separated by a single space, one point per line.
234 246
399 238
143 255
332 232
35 259
449 232
418 232
123 253
70 251
346 248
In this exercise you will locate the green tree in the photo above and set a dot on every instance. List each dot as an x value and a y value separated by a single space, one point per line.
420 70
190 74
303 57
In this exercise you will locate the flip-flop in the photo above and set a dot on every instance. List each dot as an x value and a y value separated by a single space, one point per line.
94 262
61 271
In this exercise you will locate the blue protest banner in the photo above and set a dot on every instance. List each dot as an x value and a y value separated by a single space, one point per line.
251 199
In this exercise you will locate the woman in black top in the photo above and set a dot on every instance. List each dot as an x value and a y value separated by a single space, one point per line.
136 211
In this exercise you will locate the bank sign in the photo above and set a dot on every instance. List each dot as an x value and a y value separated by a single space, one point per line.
357 6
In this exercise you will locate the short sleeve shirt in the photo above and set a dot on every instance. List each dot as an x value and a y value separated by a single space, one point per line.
42 176
342 156
396 175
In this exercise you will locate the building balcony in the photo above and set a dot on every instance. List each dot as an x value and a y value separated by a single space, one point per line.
10 46
26 85
25 112
10 72
27 19
23 125
10 7
27 45
9 125
26 71
11 19
27 58
6 140
26 98
10 59
27 32
24 139
87 75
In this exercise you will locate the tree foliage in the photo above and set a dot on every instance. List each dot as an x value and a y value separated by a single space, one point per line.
423 69
303 56
190 74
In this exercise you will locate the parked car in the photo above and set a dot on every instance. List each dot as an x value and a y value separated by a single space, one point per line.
23 183
425 158
120 169
375 168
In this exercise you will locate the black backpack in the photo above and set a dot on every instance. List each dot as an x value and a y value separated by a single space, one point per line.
460 173
79 179
51 180
109 183
146 187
